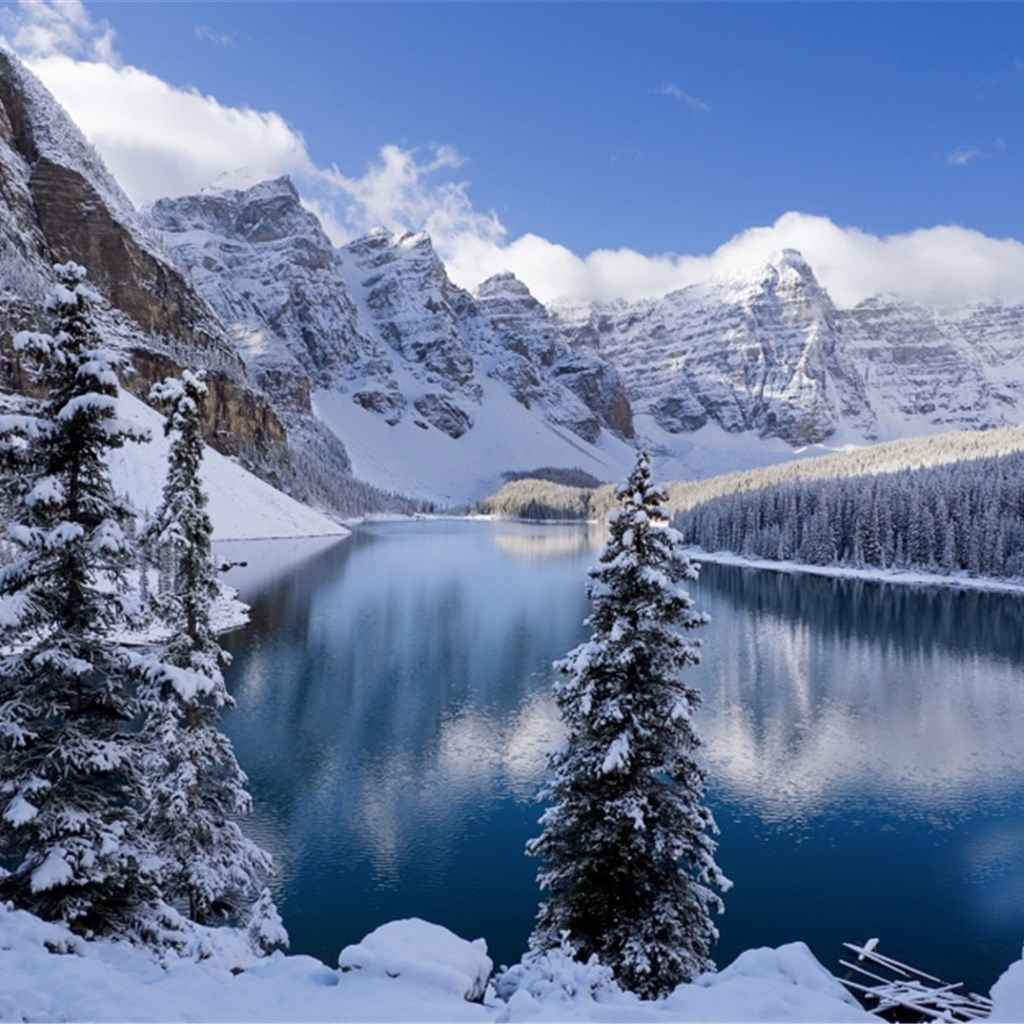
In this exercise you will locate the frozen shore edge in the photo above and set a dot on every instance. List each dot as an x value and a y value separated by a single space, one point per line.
904 577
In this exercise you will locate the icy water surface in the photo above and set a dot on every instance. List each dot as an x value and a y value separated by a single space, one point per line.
865 743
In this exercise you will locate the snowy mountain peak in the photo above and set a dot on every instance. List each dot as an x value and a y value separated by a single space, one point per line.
504 284
788 269
240 179
794 259
416 240
265 212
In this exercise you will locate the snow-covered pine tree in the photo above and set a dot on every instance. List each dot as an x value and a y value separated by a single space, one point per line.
197 788
71 777
628 847
264 928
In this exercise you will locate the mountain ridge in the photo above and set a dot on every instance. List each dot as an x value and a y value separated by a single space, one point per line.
366 360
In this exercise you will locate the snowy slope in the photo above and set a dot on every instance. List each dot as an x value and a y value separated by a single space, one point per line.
431 465
241 505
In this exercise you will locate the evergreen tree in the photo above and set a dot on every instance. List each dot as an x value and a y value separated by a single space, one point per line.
71 781
197 788
264 927
872 541
628 848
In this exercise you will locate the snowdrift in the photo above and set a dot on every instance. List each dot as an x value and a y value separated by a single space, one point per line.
403 971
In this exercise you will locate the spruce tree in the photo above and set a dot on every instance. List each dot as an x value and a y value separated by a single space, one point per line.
197 787
628 847
71 779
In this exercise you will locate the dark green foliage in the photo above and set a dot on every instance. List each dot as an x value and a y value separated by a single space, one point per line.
627 848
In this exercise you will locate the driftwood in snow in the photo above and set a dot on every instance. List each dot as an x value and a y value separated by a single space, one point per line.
898 992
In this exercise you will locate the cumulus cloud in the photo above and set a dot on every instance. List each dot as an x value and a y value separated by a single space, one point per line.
401 191
160 139
936 266
41 28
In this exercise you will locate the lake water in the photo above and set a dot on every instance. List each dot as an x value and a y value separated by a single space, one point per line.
865 743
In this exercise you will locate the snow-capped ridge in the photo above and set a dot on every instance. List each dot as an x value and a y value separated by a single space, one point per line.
379 322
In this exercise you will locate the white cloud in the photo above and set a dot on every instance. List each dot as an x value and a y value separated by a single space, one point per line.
963 155
940 265
680 95
41 28
160 139
211 35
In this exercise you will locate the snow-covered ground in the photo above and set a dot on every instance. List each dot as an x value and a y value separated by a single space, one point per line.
508 437
711 451
428 464
241 505
403 971
910 577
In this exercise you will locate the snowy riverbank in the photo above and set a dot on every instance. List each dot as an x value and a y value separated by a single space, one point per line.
907 577
403 971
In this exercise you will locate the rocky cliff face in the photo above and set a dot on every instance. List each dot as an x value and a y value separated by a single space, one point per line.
78 211
264 264
58 202
540 361
773 355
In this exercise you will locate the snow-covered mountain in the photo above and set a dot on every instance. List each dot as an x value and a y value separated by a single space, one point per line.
59 202
366 361
772 356
434 391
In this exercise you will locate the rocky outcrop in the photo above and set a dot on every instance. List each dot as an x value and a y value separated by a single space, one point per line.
79 213
444 414
236 421
78 226
546 364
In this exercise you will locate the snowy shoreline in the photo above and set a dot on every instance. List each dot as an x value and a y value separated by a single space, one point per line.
904 577
406 970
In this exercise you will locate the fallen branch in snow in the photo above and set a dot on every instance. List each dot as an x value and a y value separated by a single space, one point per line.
901 987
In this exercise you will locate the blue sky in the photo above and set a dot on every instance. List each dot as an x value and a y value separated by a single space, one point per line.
849 111
666 129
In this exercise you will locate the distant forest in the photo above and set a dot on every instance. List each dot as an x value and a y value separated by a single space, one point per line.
966 516
947 503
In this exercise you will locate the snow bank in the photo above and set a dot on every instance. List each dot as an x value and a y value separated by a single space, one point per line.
403 971
242 506
784 984
1008 995
907 577
422 952
48 974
